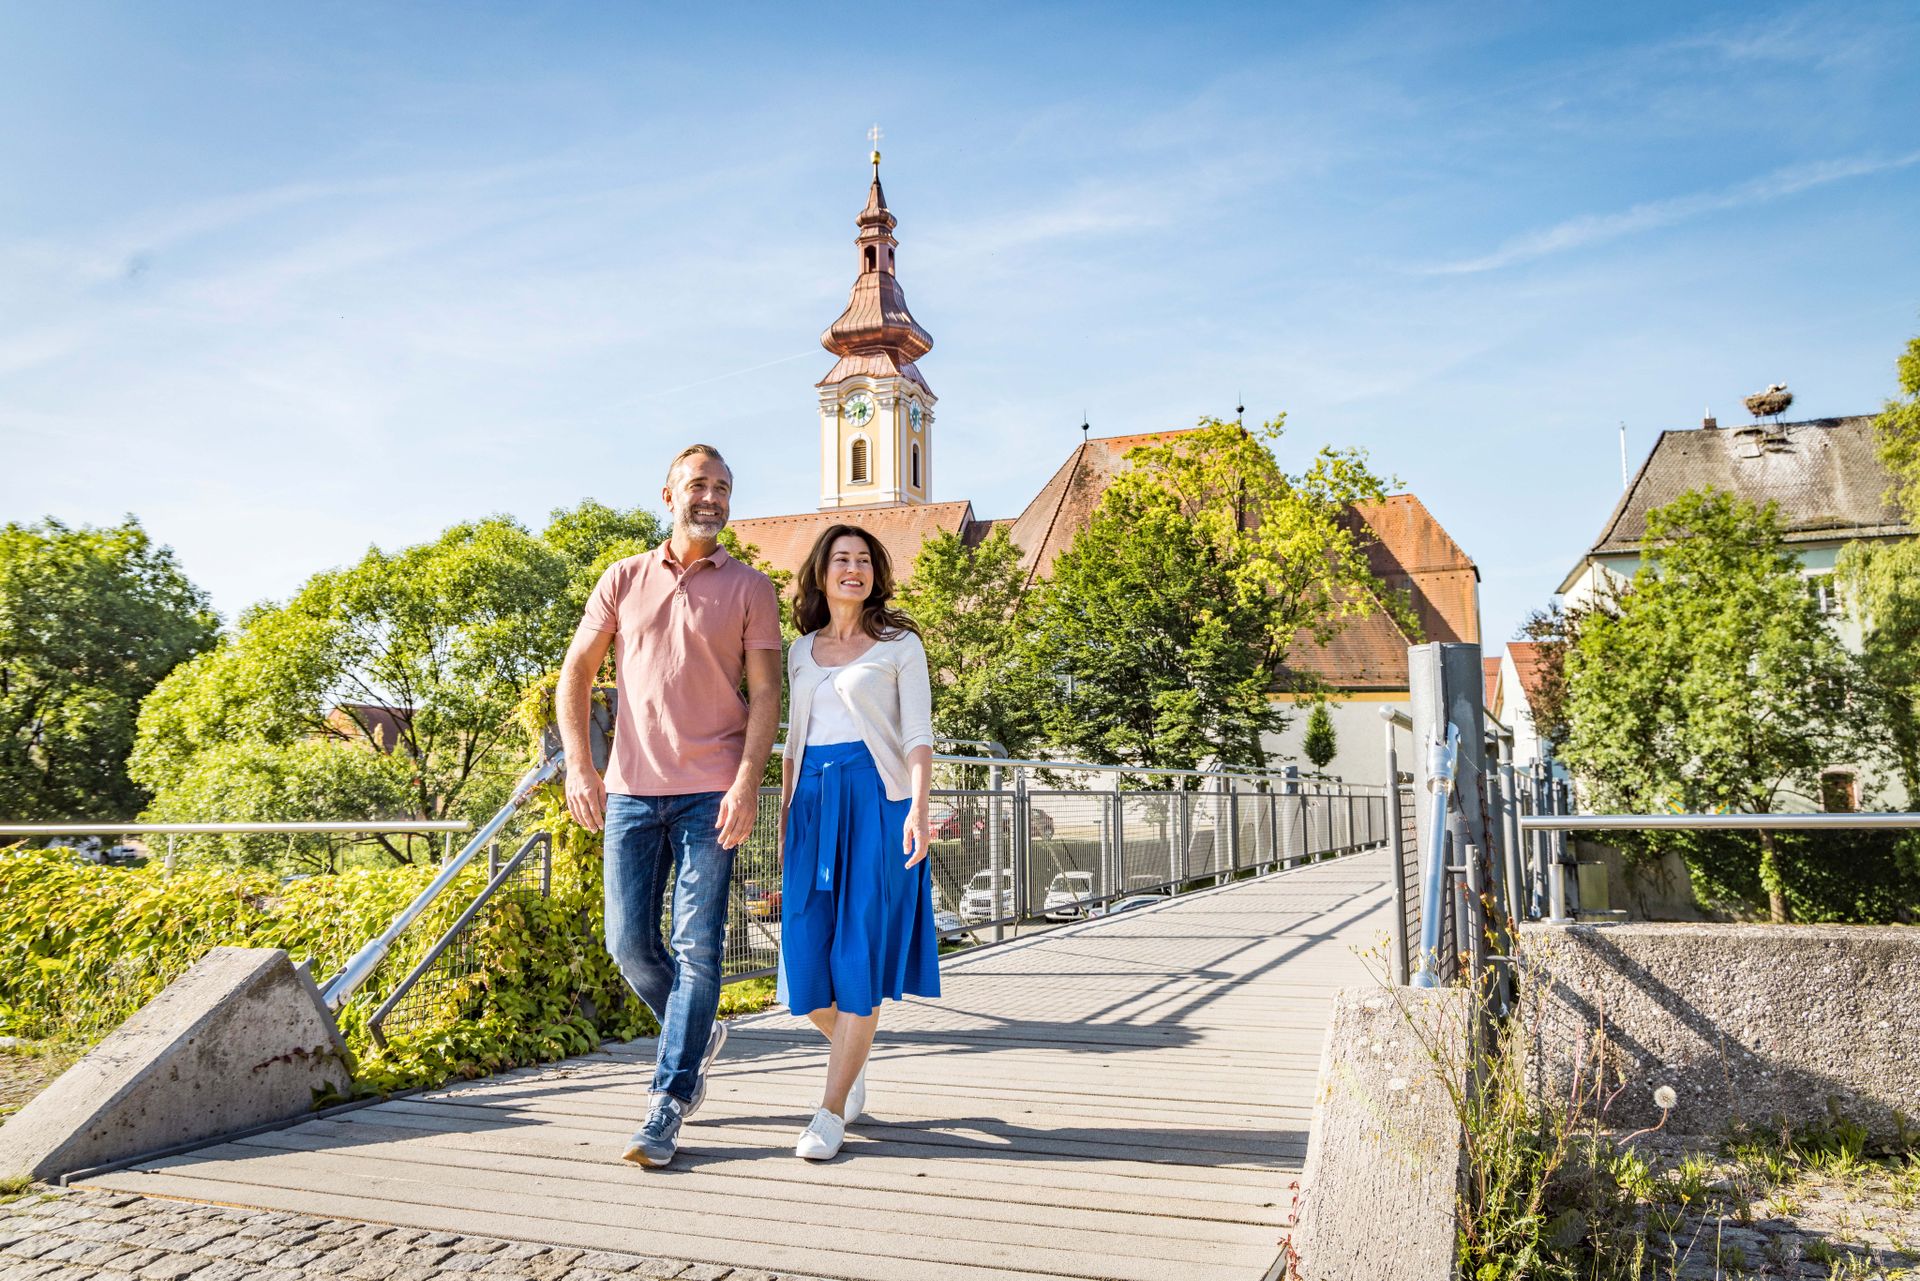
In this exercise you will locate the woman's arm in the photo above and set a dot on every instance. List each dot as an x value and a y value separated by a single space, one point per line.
919 834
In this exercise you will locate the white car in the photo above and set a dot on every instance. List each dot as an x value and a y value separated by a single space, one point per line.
978 903
1068 896
1129 903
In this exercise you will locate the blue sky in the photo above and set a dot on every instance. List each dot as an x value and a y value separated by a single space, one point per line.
289 280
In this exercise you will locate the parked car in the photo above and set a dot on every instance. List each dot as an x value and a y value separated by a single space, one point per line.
1068 896
1129 903
981 903
948 822
948 924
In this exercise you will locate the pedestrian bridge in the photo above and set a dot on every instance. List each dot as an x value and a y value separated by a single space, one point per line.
1126 1098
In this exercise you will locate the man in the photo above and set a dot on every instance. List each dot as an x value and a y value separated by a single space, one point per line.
683 783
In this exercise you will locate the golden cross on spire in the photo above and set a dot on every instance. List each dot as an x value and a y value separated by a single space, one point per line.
873 135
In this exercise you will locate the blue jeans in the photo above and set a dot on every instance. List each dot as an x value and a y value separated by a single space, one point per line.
646 837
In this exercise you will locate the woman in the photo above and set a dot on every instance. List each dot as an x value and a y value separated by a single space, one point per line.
856 901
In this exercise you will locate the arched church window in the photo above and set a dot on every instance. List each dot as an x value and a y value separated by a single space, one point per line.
857 466
916 466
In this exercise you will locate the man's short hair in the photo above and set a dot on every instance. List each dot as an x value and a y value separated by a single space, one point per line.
694 451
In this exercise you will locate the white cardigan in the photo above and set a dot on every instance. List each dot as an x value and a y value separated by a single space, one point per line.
888 693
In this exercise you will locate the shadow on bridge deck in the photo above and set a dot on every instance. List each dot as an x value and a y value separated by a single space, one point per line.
1122 1099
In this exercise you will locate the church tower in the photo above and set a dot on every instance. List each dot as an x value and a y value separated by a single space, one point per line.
876 411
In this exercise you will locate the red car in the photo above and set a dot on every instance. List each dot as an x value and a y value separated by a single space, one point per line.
946 825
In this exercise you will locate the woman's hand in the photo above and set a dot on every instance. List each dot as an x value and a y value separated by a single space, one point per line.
919 833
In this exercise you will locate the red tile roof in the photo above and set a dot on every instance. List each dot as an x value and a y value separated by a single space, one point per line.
1490 684
1407 548
784 541
1530 663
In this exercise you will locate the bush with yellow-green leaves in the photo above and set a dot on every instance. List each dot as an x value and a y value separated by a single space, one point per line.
82 947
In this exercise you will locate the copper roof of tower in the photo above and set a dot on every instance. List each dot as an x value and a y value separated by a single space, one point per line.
876 321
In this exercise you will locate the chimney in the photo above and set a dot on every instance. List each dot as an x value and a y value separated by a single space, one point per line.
1709 422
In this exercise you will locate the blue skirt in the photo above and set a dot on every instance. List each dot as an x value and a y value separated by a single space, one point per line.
856 923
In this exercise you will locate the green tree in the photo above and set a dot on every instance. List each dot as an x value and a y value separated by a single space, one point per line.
1320 744
966 601
314 779
90 621
1881 585
1169 620
435 644
1714 682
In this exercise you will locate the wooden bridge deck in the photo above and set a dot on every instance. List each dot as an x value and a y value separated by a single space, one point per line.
1126 1098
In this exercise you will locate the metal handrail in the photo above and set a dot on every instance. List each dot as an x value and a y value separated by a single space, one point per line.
1262 776
1442 759
402 827
480 900
1715 822
339 989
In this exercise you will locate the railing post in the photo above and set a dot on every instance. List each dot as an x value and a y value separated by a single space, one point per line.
1022 857
1233 827
1119 837
995 864
1510 833
1556 873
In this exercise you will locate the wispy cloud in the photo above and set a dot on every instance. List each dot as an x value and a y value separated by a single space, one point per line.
1591 229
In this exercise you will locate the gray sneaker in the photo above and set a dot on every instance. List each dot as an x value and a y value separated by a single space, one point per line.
714 1044
655 1142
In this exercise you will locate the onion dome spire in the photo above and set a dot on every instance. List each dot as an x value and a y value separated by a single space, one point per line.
876 322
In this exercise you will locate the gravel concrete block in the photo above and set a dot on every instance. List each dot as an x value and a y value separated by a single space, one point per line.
241 1039
1386 1153
1753 1024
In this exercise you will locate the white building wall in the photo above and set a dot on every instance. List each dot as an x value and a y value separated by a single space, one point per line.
1359 739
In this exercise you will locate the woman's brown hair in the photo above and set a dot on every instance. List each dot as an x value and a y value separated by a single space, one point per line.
878 618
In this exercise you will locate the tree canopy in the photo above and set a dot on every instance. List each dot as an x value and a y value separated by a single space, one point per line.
966 600
1882 584
1713 681
90 621
1169 620
424 652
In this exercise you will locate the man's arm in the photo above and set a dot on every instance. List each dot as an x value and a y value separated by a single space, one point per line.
573 708
742 801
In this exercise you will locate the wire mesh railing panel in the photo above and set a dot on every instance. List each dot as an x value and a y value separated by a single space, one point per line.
429 995
1410 868
753 906
1070 853
972 856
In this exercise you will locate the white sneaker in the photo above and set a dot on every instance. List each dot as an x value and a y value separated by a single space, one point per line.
822 1138
856 1099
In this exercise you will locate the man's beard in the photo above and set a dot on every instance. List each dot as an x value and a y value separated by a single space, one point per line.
701 526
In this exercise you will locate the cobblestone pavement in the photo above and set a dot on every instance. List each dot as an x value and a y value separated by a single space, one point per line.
54 1235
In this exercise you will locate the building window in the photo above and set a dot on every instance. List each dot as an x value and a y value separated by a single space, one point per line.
916 466
1824 592
1839 791
857 467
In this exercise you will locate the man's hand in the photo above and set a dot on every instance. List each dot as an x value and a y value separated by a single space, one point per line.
587 798
738 809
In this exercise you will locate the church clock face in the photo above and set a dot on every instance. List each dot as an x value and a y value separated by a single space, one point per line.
914 414
859 408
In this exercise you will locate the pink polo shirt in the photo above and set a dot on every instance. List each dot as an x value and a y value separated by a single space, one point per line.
680 649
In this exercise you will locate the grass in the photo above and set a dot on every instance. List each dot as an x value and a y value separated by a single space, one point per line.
1553 1192
28 1067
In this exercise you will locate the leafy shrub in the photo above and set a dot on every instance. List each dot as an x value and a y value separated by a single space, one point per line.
1848 877
82 947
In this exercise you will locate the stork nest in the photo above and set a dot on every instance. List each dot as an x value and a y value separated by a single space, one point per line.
1768 403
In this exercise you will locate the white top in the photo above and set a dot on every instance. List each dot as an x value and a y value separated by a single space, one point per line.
885 691
829 719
